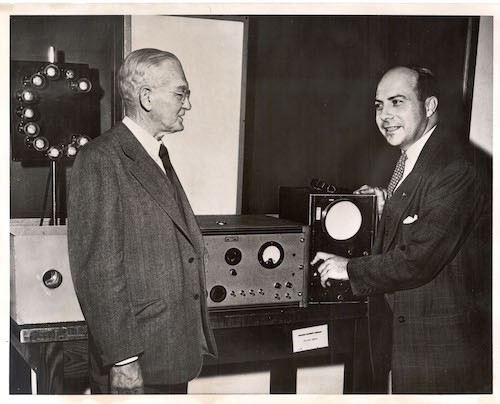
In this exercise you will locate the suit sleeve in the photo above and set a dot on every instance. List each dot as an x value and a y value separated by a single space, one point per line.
449 209
96 252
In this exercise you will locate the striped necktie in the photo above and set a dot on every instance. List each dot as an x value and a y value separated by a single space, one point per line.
397 174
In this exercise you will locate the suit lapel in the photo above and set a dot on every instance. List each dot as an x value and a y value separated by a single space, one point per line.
398 205
150 176
406 192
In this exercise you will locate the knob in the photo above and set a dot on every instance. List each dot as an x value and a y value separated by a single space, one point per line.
366 253
233 272
69 74
40 143
233 293
37 80
242 293
28 96
277 297
288 296
82 140
30 129
251 292
54 153
288 284
27 113
52 279
71 150
218 293
277 285
233 256
52 71
81 86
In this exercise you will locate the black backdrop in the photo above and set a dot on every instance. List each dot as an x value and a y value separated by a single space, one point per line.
310 90
310 95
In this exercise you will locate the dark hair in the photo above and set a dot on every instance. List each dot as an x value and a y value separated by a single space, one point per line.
426 82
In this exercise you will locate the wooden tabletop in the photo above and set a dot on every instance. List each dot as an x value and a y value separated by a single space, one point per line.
220 319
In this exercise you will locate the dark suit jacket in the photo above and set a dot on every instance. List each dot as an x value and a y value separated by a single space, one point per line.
435 274
137 260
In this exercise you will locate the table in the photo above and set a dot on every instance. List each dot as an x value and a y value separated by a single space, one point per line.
57 352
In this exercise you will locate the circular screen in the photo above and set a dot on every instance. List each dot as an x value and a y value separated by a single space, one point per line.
343 220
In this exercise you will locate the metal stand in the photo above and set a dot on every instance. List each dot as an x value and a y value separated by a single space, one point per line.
53 220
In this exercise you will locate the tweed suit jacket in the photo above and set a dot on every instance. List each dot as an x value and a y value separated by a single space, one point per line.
432 260
137 260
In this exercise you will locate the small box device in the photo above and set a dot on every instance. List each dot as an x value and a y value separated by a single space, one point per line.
255 260
341 224
41 288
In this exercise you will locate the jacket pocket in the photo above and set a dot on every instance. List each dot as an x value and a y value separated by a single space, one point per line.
147 310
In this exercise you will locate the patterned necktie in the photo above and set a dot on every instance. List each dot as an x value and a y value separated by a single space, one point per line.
165 159
397 174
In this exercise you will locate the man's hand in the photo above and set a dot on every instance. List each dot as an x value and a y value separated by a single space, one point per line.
333 267
381 196
126 379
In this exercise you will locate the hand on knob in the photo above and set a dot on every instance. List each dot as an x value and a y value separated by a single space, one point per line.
333 267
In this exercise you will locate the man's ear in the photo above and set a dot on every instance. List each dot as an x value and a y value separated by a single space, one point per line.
431 104
145 98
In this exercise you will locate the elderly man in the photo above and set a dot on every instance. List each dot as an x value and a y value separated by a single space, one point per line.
431 259
136 251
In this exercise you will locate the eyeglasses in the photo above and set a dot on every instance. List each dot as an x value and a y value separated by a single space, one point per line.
182 95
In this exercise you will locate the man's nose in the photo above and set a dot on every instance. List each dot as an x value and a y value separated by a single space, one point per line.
385 113
187 104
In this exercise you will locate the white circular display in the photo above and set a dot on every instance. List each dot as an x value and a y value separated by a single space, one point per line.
343 220
37 80
272 253
28 96
83 85
39 143
29 113
31 129
71 151
51 72
83 141
54 152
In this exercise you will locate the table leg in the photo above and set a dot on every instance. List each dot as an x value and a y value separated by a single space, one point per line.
19 373
50 372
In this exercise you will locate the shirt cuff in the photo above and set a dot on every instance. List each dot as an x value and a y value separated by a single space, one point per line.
127 361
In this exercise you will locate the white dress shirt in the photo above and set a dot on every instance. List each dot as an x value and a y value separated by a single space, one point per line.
413 152
146 139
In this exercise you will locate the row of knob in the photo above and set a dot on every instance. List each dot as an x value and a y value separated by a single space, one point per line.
251 292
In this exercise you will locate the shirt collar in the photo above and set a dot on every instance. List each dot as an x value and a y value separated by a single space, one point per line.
150 144
416 148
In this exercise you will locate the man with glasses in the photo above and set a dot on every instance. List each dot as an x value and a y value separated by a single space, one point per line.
136 251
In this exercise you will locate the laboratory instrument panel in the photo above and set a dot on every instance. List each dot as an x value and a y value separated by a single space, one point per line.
342 224
255 260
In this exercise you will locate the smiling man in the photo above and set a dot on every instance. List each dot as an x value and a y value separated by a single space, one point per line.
136 252
429 276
